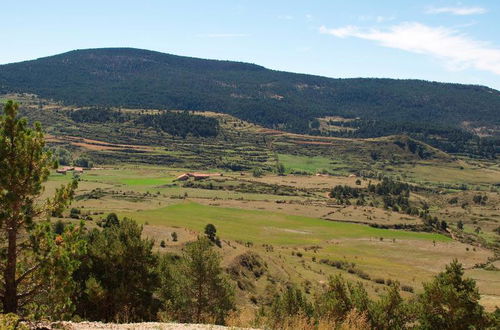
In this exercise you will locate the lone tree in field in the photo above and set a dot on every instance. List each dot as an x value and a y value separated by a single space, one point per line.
210 231
24 166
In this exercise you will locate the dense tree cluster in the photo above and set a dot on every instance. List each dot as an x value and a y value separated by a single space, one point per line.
177 123
124 77
342 192
181 123
98 115
394 194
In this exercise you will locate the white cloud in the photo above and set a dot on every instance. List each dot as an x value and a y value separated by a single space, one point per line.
223 35
457 50
456 10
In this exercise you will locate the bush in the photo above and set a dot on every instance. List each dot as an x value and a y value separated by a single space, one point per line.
257 172
11 322
111 220
280 169
74 213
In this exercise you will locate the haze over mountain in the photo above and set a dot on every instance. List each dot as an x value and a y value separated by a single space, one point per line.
127 77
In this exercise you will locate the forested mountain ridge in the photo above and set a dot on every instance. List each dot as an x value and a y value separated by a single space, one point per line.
145 79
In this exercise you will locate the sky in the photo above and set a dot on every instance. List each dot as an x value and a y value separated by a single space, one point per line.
438 40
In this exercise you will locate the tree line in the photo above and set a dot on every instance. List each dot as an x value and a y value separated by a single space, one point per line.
177 123
181 123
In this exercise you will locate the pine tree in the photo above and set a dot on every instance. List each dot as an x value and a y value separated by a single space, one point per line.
118 278
197 290
451 302
24 167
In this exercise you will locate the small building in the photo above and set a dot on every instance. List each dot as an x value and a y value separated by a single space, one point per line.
196 176
182 177
65 169
199 176
78 169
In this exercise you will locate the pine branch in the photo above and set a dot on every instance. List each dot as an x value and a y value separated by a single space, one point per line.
30 292
27 273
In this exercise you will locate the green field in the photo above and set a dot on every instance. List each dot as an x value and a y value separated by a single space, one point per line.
305 163
268 227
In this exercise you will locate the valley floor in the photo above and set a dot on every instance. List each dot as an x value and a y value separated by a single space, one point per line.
291 223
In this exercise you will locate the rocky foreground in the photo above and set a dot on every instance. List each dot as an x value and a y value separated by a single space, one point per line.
129 326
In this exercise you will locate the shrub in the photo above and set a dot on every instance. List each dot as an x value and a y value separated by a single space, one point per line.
280 169
257 172
74 213
11 322
111 220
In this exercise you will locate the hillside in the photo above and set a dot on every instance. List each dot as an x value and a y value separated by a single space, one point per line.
134 78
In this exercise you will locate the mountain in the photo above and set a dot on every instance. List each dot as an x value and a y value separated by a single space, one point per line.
127 77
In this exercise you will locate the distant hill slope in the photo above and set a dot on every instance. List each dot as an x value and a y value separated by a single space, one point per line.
146 79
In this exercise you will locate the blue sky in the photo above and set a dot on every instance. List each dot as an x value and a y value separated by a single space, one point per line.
437 40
